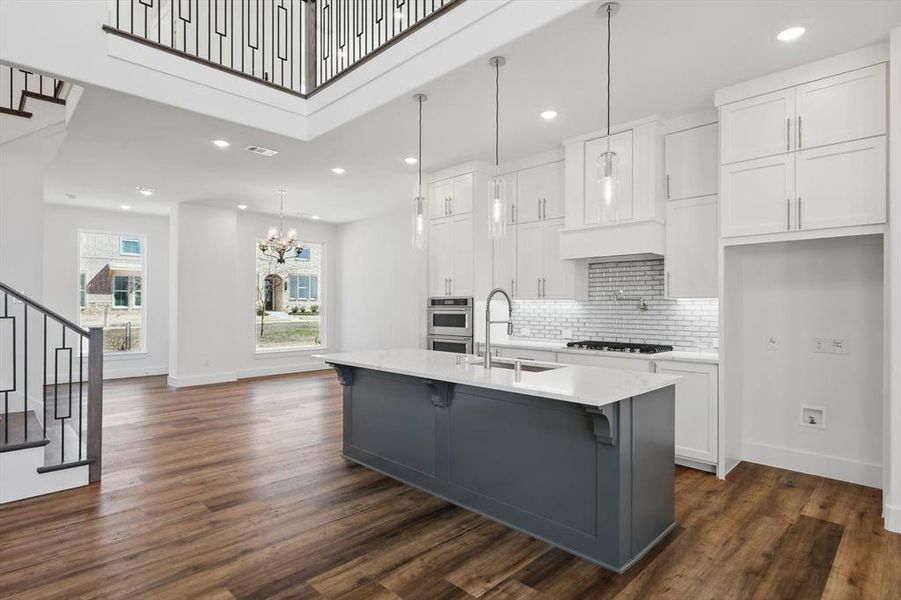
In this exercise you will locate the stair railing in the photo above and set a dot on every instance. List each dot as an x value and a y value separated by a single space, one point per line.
71 394
16 85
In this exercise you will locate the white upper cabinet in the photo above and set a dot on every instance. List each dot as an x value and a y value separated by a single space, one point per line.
841 184
504 269
596 209
558 274
757 196
757 127
692 239
529 259
451 256
846 107
540 193
541 273
452 196
691 162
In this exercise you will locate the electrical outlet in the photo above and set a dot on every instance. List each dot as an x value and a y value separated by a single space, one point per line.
813 416
526 332
821 345
771 343
839 346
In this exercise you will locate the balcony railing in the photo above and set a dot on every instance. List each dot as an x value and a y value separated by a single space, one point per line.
298 46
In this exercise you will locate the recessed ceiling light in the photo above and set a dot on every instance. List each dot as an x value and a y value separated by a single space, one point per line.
315 217
549 115
221 143
125 207
338 171
792 33
242 207
147 191
411 160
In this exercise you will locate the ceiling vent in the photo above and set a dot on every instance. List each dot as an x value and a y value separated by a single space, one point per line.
261 151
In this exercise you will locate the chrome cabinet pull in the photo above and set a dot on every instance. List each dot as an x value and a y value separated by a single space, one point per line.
539 287
513 213
788 134
669 283
668 196
539 207
450 203
799 131
788 214
799 212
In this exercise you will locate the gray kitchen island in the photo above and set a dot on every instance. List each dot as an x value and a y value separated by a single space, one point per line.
581 457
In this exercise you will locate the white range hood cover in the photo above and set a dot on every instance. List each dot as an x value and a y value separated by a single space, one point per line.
629 238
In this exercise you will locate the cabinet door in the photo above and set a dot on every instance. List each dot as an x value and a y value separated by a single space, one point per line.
596 210
696 409
691 162
510 191
692 244
841 184
505 261
528 195
756 127
529 262
461 194
440 256
757 196
837 109
557 274
552 183
462 283
439 192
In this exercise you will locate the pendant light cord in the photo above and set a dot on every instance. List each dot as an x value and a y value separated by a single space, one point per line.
609 16
420 147
497 112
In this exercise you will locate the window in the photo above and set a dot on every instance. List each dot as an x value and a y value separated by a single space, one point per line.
120 290
289 306
130 247
111 288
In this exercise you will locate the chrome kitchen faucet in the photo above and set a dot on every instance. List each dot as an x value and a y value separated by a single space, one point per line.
489 322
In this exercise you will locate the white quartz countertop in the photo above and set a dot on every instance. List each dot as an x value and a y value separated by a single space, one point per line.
592 386
703 357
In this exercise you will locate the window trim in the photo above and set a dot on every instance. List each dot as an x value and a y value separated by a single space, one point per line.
145 327
320 300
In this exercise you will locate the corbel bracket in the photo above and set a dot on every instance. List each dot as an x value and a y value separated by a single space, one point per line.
441 392
345 374
605 422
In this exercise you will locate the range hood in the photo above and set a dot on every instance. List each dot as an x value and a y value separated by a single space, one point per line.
639 239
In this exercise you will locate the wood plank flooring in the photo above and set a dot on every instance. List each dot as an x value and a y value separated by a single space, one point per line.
240 491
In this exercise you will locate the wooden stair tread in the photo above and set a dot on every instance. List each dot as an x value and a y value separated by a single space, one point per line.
18 423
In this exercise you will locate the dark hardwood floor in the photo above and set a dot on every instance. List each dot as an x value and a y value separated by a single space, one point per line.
240 491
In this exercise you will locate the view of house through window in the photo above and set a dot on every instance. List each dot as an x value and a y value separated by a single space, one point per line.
289 300
111 272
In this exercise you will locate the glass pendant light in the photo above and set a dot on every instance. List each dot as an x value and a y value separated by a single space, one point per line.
420 205
497 187
608 161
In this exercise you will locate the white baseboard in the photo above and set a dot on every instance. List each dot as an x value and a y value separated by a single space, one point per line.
813 463
180 382
281 370
891 516
134 372
695 464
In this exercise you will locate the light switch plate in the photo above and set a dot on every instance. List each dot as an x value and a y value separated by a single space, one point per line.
839 346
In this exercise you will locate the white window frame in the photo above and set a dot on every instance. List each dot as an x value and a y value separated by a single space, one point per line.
323 312
130 354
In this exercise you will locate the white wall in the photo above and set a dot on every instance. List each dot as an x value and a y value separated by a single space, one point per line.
61 227
22 214
203 293
382 285
249 363
796 292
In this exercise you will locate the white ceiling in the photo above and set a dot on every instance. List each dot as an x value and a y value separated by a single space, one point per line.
668 58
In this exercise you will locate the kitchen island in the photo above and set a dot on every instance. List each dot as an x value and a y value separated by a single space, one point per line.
581 457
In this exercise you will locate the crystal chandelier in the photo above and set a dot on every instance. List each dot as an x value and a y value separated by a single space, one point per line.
279 242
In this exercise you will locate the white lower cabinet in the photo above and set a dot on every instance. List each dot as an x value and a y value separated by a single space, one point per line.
527 354
696 409
451 256
607 362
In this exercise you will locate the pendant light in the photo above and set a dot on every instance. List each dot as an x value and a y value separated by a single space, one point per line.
497 217
608 161
420 206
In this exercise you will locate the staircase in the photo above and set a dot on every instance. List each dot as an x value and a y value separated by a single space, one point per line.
29 101
51 389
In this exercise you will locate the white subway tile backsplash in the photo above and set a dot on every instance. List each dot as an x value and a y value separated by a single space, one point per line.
686 324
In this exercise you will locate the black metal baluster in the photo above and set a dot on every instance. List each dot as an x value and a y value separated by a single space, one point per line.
80 388
25 365
44 386
6 392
